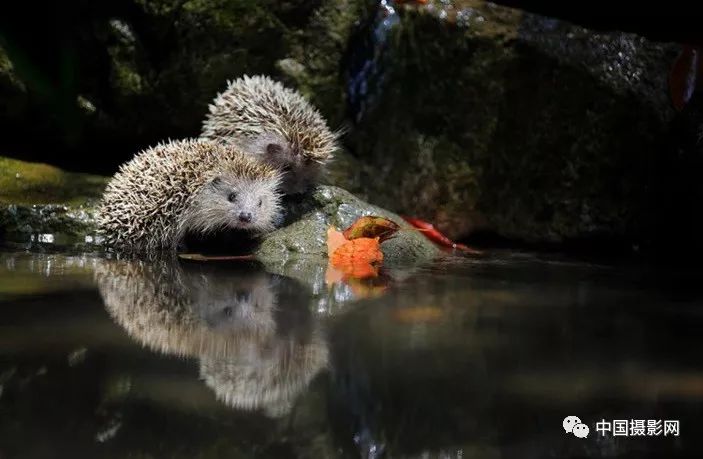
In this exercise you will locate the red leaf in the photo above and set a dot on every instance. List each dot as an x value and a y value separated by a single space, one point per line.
685 76
432 234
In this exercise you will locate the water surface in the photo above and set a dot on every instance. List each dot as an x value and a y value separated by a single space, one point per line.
462 358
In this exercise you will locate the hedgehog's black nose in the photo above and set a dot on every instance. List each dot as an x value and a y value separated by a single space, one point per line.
245 217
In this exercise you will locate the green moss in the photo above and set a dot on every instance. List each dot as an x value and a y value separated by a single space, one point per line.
13 92
7 73
125 61
23 183
316 52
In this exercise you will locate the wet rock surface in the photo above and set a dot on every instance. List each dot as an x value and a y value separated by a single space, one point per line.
480 117
41 203
306 234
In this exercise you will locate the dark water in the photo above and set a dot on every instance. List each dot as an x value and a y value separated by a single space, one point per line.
106 358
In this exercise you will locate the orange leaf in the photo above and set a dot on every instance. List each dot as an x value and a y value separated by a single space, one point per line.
361 288
335 239
363 249
371 227
358 258
358 270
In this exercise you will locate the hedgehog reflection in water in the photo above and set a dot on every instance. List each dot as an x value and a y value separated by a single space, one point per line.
275 124
253 354
187 187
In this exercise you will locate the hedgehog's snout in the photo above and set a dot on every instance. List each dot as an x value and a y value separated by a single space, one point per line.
245 217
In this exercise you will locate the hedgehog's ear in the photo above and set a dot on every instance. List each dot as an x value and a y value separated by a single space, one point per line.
216 182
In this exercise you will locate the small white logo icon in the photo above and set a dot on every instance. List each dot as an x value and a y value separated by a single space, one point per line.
581 430
572 424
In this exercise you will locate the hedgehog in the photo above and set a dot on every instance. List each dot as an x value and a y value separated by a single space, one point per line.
277 125
187 187
252 353
268 377
177 310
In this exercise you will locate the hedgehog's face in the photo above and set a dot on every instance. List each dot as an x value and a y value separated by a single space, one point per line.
237 304
298 165
299 170
231 201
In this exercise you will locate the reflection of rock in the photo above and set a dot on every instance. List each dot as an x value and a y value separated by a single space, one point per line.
332 297
35 274
257 343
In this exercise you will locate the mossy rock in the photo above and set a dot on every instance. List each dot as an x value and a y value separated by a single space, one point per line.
25 183
306 235
42 203
490 119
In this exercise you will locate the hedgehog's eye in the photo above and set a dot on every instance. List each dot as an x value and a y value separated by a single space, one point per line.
227 311
287 168
232 197
242 296
260 202
274 149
